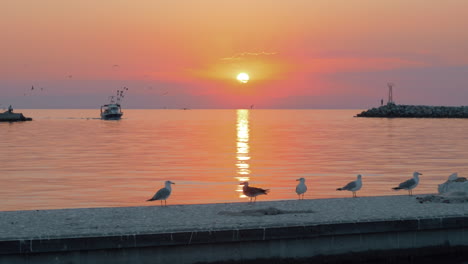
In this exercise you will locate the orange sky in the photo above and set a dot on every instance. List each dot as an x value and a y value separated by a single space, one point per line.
187 53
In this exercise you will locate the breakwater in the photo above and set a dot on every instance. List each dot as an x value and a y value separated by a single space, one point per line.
13 117
416 111
367 226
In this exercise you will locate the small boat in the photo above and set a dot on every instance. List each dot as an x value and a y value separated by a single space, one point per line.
113 110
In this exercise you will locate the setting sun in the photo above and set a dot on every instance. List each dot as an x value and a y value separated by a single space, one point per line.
243 77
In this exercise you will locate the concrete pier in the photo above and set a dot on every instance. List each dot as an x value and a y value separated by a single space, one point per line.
233 232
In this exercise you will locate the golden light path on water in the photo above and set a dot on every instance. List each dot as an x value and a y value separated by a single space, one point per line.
242 154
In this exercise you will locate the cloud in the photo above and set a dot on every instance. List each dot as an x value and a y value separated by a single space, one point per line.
242 55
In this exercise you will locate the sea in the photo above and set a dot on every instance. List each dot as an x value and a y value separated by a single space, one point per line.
70 158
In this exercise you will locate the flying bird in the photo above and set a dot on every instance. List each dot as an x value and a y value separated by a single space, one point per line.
301 188
252 192
163 193
353 186
409 184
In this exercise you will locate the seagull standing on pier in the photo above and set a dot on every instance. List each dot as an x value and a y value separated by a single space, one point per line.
353 186
409 184
252 192
163 193
301 188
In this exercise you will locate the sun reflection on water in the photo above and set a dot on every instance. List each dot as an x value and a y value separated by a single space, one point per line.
243 167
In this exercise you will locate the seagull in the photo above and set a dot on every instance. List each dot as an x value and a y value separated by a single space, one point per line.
301 188
353 186
252 192
163 193
409 184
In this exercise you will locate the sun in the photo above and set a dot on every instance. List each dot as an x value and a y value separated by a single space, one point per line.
243 77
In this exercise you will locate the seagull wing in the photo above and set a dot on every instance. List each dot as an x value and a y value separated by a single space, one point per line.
254 191
407 184
162 194
350 186
260 190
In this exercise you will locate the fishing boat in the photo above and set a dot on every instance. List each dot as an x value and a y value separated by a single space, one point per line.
113 110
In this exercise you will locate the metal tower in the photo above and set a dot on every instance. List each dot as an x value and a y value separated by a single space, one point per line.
390 93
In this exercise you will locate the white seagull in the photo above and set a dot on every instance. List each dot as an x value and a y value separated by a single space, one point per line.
252 192
163 193
409 184
301 188
353 186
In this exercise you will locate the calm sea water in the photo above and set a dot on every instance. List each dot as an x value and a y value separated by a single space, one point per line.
71 158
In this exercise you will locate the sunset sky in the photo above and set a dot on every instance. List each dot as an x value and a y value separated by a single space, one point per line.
187 53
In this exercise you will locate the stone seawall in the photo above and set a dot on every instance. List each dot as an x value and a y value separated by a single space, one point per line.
416 111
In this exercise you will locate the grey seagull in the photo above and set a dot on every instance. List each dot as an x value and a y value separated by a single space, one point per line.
353 186
163 193
301 188
409 184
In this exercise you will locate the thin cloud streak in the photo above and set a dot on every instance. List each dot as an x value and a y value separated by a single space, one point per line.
240 56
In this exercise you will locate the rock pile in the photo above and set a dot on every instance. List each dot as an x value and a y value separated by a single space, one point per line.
421 111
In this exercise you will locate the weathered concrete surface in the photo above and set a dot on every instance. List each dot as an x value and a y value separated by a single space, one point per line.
13 117
205 233
419 111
